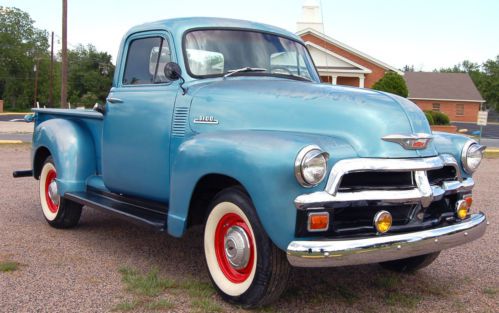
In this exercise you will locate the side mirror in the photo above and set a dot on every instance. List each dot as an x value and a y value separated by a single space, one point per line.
173 71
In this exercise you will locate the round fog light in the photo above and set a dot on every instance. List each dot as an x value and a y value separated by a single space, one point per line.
383 221
462 209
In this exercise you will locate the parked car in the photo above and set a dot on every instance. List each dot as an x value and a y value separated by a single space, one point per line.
225 123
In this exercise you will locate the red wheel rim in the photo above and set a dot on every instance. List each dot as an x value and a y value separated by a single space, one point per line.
226 222
51 176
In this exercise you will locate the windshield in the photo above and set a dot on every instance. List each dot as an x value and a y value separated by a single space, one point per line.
213 53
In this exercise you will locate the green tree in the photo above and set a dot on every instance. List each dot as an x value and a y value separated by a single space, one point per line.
489 86
393 83
21 45
90 75
485 77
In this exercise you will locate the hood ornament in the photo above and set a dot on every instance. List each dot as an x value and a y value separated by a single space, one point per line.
410 142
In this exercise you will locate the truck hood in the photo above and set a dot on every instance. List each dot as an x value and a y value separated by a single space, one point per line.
361 117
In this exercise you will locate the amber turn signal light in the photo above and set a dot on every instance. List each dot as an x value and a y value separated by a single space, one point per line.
318 221
383 221
462 208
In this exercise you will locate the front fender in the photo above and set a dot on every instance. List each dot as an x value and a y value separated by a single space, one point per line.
262 161
72 149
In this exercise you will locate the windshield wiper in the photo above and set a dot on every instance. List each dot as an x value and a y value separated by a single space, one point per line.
244 69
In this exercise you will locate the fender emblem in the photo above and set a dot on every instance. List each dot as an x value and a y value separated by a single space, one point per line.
410 142
205 120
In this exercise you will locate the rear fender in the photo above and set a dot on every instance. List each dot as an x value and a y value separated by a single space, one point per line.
72 148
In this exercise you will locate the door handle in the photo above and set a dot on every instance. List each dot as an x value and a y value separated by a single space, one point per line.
114 100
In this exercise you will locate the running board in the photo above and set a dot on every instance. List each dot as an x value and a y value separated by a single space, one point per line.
121 207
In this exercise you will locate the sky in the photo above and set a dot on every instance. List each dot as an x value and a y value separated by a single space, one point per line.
428 34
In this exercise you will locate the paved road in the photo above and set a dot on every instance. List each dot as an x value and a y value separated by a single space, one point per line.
489 131
22 137
76 270
7 118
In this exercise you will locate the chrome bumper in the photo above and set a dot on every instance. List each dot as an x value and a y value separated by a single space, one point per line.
330 253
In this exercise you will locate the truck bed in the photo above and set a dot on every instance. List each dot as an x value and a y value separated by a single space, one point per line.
89 120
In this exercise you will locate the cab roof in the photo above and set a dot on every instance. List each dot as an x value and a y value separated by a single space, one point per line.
178 26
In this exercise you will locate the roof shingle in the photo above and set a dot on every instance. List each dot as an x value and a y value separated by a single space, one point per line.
434 85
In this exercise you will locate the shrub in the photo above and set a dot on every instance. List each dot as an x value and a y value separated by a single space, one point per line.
437 118
393 83
429 117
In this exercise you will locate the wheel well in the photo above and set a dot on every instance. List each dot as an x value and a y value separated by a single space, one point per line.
206 189
40 156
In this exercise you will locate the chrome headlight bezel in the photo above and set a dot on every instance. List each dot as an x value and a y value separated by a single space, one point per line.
306 155
470 149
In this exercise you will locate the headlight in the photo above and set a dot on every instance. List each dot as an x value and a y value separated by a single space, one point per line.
471 156
311 166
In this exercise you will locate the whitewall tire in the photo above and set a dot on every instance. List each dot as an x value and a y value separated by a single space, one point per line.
58 212
244 265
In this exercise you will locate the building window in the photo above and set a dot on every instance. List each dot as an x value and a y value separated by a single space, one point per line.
435 107
460 109
326 79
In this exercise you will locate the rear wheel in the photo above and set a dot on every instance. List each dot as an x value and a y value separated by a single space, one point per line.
244 265
58 212
410 264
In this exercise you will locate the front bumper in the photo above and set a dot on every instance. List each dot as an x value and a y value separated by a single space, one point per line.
330 253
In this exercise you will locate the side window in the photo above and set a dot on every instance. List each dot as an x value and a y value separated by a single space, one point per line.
146 60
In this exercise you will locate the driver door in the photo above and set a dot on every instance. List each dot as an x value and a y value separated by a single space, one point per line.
137 124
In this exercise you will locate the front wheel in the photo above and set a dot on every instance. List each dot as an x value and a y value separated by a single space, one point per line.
410 264
58 212
244 265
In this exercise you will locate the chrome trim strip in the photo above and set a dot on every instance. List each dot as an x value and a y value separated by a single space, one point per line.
416 195
330 253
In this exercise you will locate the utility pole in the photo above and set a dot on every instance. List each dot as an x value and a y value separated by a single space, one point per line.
51 88
64 74
36 68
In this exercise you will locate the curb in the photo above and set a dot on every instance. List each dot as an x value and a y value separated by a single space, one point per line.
15 113
10 142
491 153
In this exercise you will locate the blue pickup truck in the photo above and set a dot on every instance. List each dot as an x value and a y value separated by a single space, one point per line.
224 123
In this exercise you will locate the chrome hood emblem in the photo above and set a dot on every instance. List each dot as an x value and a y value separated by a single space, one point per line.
410 142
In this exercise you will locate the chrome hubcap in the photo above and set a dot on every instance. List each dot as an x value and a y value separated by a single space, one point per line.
54 193
237 247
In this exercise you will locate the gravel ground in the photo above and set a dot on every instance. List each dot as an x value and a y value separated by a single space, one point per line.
78 270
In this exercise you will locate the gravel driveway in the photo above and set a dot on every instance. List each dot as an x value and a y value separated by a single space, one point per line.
78 270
